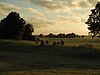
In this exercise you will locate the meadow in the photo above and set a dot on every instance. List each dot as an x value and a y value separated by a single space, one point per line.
76 41
80 56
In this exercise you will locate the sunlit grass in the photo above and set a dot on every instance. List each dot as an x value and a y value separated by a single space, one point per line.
68 41
76 41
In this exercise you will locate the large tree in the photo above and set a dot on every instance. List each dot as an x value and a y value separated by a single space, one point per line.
93 21
12 27
28 32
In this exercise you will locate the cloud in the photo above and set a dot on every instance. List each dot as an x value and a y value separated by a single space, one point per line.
40 21
6 8
34 11
93 2
71 14
63 5
66 19
76 9
83 20
81 3
56 6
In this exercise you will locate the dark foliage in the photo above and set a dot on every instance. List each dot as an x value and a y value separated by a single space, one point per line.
12 27
70 35
93 21
41 35
61 35
51 35
28 32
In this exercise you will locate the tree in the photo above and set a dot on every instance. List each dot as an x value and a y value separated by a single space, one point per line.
41 35
71 35
51 35
93 21
28 32
61 35
12 27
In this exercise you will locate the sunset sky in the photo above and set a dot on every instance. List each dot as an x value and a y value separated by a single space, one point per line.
51 16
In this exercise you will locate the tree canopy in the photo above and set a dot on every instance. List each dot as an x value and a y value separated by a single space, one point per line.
28 32
93 21
62 35
14 27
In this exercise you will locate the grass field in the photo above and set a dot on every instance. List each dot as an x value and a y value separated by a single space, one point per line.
27 58
76 41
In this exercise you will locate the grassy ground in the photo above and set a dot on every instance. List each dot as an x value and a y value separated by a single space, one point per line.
26 58
76 41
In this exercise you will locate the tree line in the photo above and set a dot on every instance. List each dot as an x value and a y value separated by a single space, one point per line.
62 35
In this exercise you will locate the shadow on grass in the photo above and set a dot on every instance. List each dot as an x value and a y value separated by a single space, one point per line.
82 51
27 57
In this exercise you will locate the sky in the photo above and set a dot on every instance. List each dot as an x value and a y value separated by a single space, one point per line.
51 16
